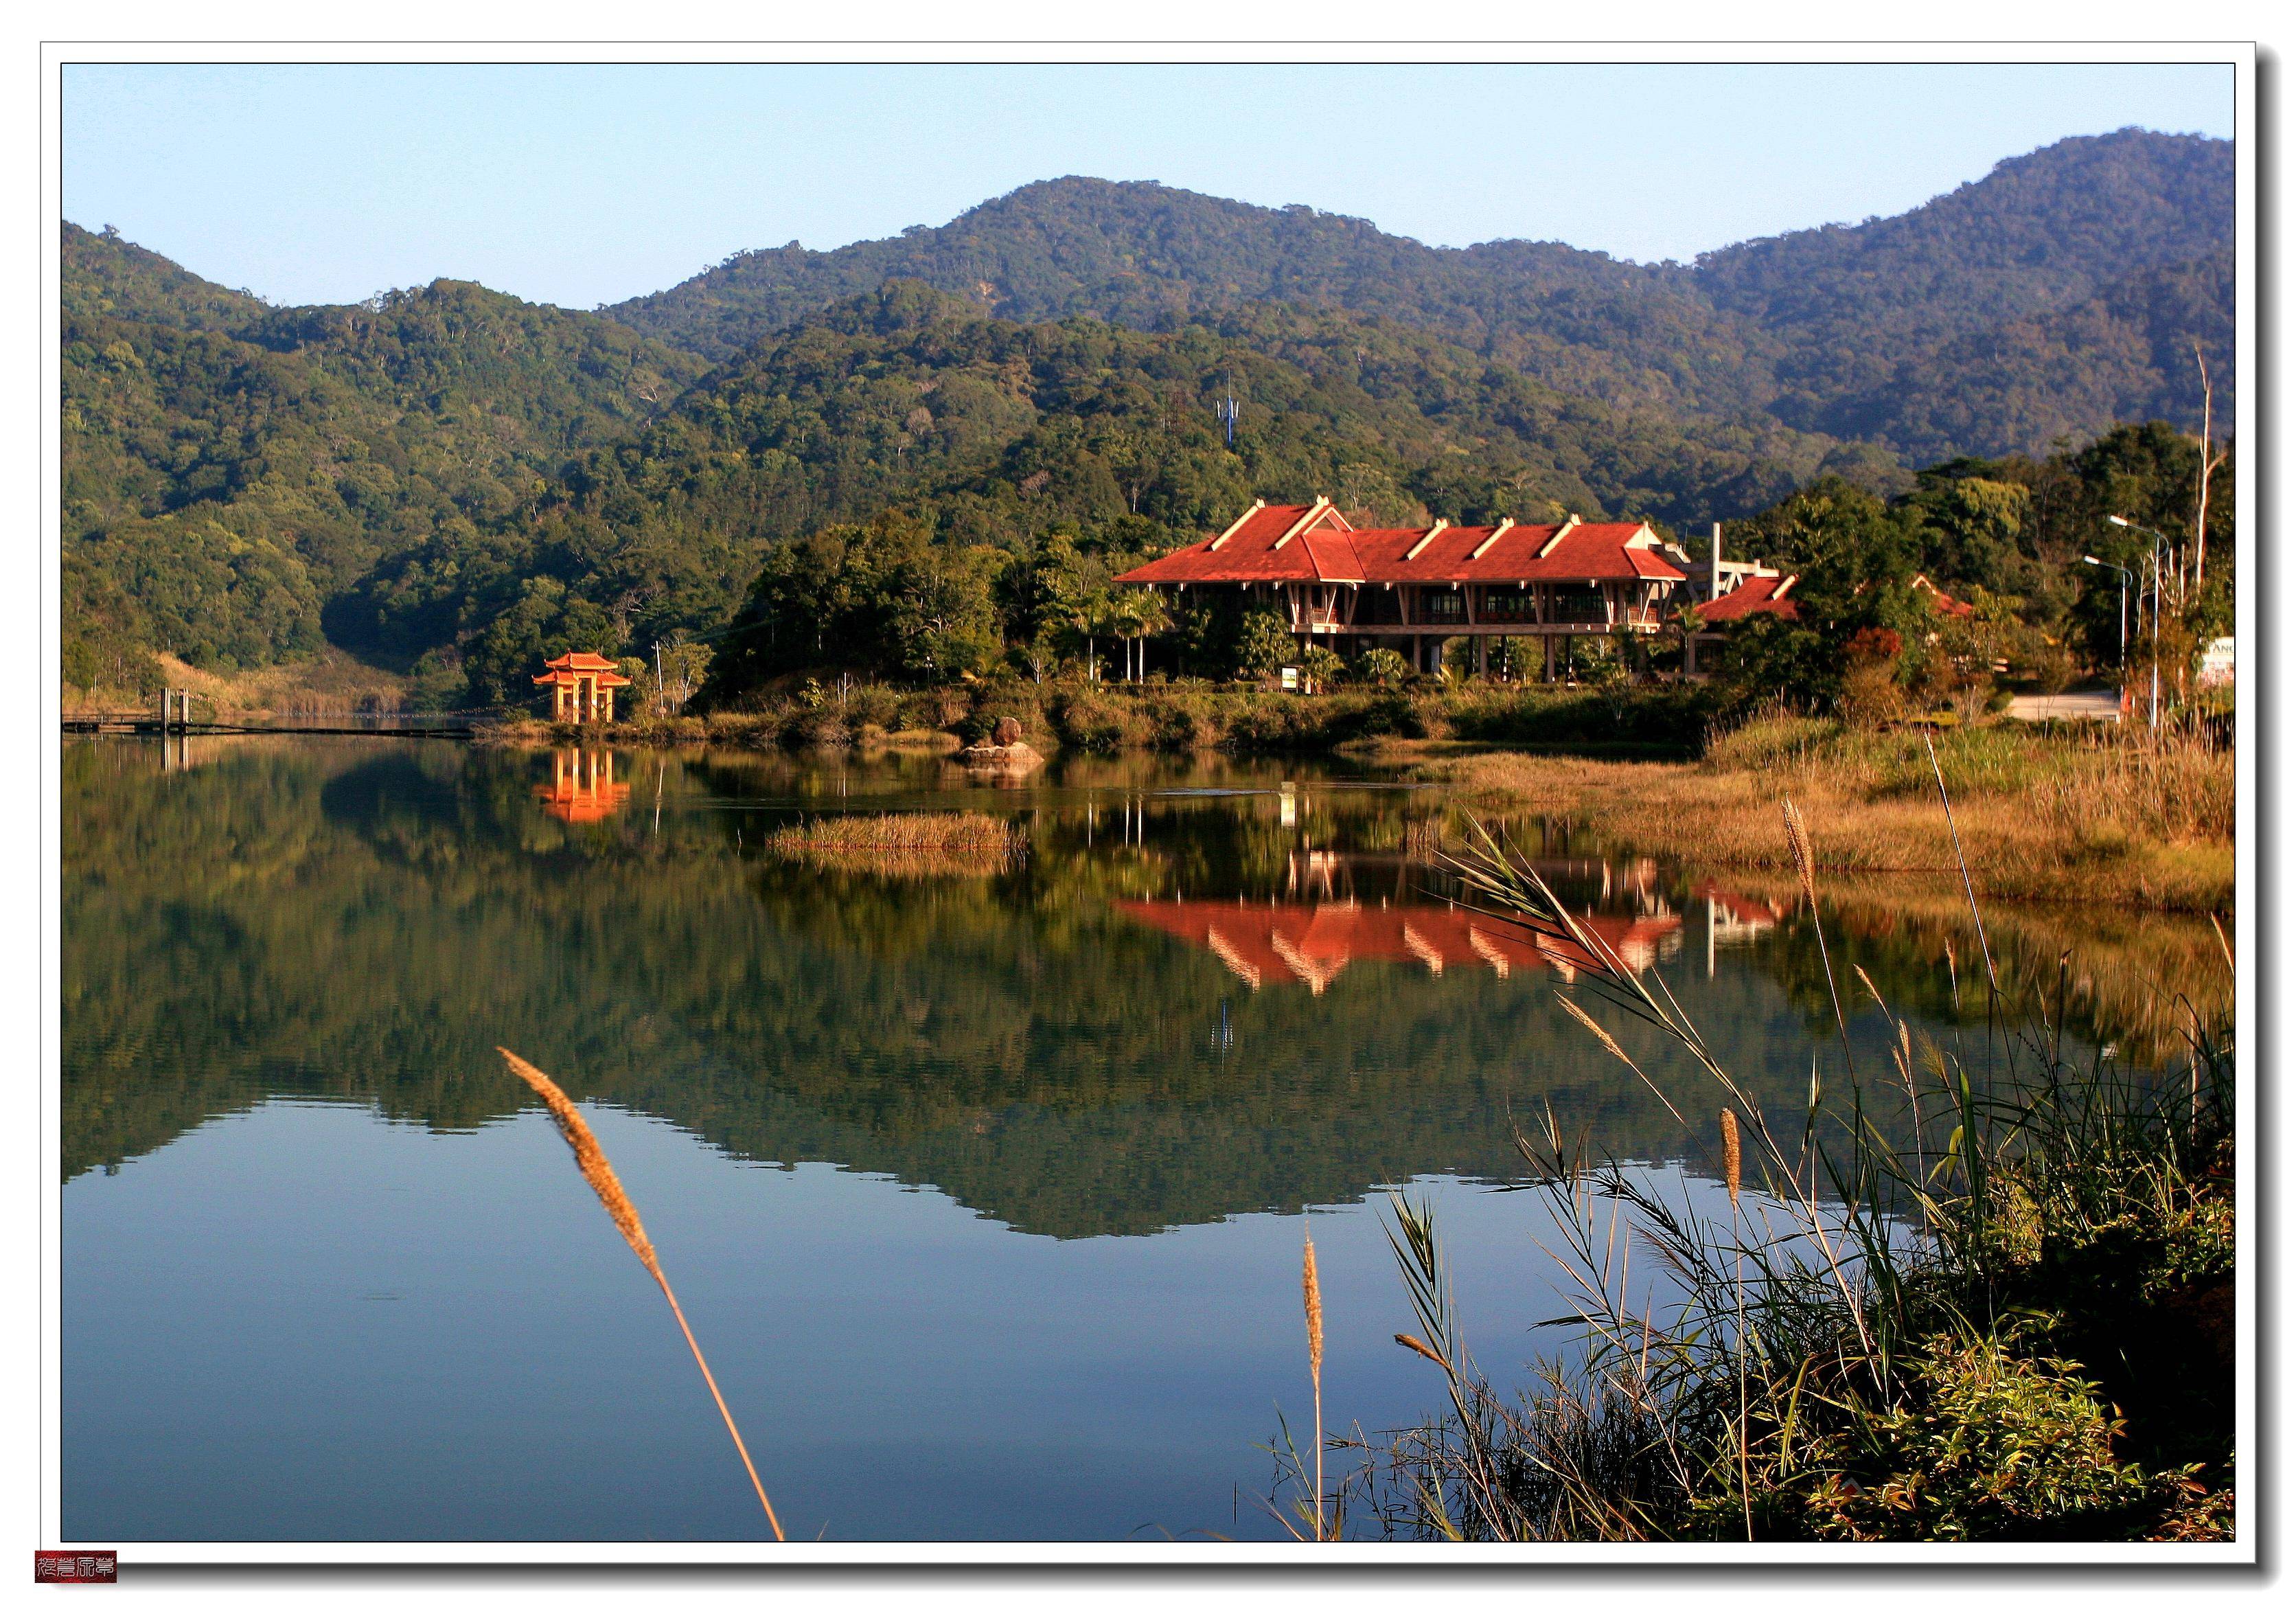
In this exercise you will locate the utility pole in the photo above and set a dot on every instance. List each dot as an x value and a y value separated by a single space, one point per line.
660 691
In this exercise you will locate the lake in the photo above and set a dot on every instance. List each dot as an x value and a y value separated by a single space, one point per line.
982 1184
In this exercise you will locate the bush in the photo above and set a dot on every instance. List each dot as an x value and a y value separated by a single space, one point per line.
880 705
1382 666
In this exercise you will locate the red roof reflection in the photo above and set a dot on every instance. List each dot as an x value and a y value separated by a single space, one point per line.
1310 943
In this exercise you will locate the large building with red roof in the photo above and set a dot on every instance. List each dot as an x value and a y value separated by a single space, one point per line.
1415 590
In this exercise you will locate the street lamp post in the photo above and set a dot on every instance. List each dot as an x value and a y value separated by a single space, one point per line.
2159 539
2116 568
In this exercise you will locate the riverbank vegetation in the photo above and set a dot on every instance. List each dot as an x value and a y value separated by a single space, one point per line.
1981 1290
2105 815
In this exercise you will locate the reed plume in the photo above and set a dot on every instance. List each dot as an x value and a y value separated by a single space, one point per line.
1798 843
600 1175
1730 1154
1311 1296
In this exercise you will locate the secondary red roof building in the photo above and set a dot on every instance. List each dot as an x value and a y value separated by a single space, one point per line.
1412 589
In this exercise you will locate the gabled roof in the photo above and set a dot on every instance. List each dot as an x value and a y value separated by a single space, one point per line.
579 660
1755 594
1947 605
1315 543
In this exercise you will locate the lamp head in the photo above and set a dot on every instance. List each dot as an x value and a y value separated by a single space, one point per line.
2116 518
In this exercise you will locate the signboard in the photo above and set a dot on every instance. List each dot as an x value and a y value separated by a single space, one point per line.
1291 676
2217 663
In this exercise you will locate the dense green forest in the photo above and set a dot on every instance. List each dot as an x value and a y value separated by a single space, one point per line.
2011 537
231 469
449 483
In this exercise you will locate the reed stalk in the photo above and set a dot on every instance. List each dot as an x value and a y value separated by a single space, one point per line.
1311 1296
591 1160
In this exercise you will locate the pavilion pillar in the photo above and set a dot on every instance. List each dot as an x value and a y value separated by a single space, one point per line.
1482 657
1549 675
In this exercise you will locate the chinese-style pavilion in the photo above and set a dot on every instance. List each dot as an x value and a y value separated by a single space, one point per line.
583 684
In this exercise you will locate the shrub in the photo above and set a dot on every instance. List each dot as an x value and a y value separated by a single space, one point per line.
1382 666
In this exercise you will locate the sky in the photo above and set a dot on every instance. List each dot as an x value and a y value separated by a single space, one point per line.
584 185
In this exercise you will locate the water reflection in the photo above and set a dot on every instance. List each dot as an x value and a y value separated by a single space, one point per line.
1278 1013
876 1116
1311 943
582 789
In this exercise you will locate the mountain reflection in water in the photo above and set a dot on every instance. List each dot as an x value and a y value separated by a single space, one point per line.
296 918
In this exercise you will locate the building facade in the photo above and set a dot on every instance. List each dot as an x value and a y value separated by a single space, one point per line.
1414 590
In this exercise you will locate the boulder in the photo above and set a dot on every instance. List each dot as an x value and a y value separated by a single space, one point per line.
1007 732
1016 759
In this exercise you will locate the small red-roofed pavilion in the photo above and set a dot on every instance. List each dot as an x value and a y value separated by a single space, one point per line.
583 685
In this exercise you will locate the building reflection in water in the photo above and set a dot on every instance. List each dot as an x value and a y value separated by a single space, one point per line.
582 789
1734 918
1309 941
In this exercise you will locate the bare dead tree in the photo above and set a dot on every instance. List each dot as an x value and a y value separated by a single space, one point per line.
2211 459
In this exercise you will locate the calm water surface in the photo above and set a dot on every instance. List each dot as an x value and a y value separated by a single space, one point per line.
981 1189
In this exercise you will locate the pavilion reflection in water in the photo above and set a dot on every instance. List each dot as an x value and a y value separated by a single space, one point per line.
582 789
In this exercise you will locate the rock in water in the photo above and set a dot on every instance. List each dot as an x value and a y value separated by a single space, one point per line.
1006 733
986 758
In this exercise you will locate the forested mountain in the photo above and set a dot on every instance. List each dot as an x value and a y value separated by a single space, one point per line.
2124 353
229 468
996 433
449 479
1807 327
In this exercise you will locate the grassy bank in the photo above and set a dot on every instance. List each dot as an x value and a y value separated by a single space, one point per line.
2105 815
331 682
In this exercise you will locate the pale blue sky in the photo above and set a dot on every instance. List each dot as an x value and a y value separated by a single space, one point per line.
580 184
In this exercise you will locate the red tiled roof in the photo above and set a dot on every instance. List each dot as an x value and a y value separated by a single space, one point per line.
602 678
1947 605
1256 550
579 660
1755 594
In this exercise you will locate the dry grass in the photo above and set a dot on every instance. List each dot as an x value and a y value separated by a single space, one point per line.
600 1175
332 682
2124 818
904 843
